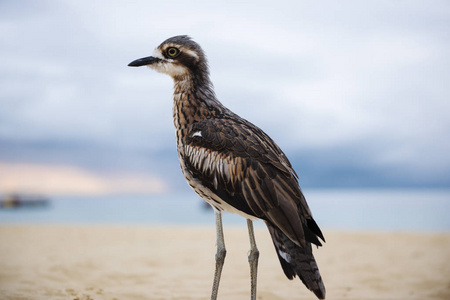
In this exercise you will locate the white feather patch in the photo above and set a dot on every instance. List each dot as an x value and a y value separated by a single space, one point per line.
198 133
191 53
167 66
157 53
284 255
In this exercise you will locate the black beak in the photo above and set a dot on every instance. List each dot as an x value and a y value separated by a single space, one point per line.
143 61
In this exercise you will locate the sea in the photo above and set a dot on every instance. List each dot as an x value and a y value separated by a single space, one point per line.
351 210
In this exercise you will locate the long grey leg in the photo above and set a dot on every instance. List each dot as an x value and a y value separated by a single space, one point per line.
220 254
253 256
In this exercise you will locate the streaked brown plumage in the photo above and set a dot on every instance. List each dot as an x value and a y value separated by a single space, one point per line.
235 166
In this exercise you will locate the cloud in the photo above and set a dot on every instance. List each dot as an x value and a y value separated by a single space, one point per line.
70 180
369 79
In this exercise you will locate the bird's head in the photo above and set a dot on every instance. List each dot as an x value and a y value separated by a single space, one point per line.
179 56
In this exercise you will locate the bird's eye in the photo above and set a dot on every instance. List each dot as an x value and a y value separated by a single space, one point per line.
172 52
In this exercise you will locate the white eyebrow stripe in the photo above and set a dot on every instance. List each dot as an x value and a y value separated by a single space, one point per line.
158 54
191 53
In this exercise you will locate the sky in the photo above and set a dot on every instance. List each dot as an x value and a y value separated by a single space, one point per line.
356 93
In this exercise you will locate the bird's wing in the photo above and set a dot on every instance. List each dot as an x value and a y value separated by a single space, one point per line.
245 168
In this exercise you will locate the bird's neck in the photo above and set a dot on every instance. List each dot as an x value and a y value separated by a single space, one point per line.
194 100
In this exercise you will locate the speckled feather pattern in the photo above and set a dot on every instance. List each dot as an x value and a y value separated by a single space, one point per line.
235 166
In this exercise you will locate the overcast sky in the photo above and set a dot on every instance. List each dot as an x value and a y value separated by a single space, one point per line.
356 93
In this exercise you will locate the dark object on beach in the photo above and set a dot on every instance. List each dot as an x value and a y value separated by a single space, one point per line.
234 166
18 201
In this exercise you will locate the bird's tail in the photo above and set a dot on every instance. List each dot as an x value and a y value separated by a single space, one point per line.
296 260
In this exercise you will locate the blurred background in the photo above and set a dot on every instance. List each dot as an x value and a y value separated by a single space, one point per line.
355 93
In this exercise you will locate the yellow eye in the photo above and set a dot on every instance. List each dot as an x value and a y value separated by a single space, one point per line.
172 52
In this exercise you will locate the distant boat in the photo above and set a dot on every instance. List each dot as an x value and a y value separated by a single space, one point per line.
16 201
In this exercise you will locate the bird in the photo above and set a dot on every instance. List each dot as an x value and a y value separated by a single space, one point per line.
236 167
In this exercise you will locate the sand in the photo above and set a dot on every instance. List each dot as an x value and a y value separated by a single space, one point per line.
138 262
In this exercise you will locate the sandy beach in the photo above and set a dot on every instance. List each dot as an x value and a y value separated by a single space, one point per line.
143 262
